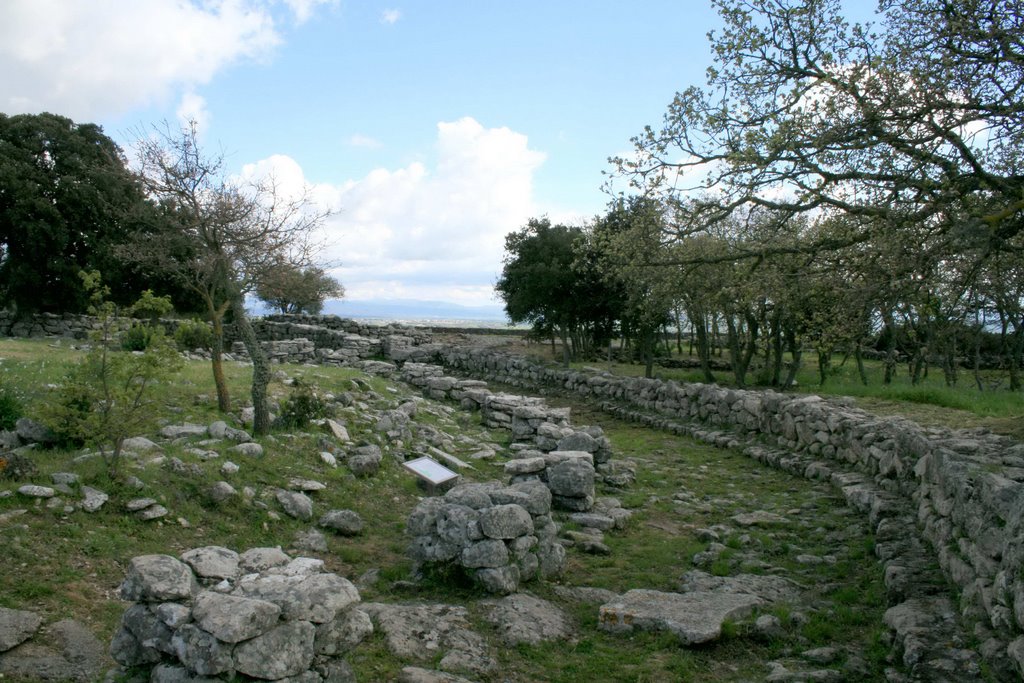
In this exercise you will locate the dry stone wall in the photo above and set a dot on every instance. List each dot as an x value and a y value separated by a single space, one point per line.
966 489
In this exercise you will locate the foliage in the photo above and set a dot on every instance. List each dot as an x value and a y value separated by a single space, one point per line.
151 307
193 334
293 289
550 281
221 238
137 337
11 407
106 397
302 405
67 200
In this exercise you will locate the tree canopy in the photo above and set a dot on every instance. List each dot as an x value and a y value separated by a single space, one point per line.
67 199
293 289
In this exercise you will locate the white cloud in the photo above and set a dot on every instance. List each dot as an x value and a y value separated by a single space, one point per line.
427 232
303 9
101 58
358 140
390 16
193 108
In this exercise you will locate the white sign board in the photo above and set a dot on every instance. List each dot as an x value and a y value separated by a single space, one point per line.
430 470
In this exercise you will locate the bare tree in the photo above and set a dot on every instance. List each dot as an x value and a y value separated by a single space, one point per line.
222 237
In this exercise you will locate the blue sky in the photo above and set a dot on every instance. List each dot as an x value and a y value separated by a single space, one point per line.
431 128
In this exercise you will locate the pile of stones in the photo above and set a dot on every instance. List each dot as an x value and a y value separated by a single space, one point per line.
222 615
569 475
499 535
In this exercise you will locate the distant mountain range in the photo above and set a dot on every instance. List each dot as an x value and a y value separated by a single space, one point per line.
411 310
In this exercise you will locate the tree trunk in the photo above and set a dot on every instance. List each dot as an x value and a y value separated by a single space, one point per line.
859 357
1016 355
217 359
260 369
703 343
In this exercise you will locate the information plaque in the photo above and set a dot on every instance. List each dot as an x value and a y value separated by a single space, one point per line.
431 472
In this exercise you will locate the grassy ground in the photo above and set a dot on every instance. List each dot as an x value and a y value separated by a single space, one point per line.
70 565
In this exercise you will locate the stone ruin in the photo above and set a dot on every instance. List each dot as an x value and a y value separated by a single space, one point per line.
542 437
499 535
220 615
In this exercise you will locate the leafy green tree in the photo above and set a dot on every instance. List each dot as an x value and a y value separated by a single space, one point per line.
66 199
551 280
107 397
916 120
292 289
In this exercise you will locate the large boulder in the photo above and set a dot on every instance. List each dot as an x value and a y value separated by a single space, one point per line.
694 618
158 578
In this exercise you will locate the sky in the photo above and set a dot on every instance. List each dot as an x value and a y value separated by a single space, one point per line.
431 129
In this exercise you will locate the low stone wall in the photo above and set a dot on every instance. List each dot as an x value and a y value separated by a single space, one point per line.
966 488
500 535
216 614
283 324
538 430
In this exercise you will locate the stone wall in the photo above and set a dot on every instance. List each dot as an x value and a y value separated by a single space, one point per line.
966 488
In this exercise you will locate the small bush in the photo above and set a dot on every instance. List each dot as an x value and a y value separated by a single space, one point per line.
303 405
193 334
10 408
136 338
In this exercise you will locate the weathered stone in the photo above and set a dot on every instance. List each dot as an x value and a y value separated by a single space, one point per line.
592 520
524 466
212 562
200 651
579 441
523 618
158 578
306 485
35 491
455 524
486 553
769 588
344 522
30 431
573 478
71 653
17 626
337 430
319 597
284 651
249 450
221 491
422 632
152 512
139 444
500 580
93 499
343 633
364 461
231 618
310 541
295 504
693 618
262 559
505 522
757 518
182 430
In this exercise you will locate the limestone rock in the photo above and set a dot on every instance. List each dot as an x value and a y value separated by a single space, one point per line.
769 588
319 598
212 562
17 626
694 618
422 632
310 541
485 553
30 431
343 633
364 461
295 504
221 491
523 618
572 478
344 522
182 430
250 449
200 651
158 578
414 674
284 651
34 491
505 522
93 499
262 559
71 653
232 619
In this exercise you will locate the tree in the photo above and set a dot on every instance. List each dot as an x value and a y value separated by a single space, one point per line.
221 239
66 198
917 121
292 289
551 281
106 398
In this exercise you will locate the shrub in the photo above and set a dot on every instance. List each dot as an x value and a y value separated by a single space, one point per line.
10 408
193 334
136 338
303 405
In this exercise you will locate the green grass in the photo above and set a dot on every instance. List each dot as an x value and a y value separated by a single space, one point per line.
69 565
